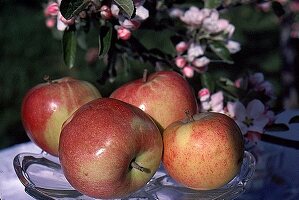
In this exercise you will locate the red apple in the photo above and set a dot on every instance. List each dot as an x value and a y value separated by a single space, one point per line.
47 105
164 95
204 151
109 149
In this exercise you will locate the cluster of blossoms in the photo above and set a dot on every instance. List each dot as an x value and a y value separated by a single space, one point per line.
107 12
54 17
251 117
203 24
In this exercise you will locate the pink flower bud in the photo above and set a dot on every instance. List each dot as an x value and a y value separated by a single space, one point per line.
188 71
123 33
106 12
50 22
204 94
51 9
181 47
180 62
238 82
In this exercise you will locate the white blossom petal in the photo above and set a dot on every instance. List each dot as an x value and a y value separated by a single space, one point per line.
201 62
240 111
256 128
233 46
255 108
142 12
60 25
242 126
205 106
194 51
261 121
217 98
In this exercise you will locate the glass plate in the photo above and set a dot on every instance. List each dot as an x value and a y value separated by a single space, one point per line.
43 179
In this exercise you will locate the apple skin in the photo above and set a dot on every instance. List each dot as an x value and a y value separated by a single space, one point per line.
203 152
47 105
165 96
99 142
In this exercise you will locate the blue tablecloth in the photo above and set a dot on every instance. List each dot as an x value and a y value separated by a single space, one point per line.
276 177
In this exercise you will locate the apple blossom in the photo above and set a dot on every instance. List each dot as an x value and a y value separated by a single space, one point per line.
259 84
204 94
194 51
123 33
181 47
233 47
51 9
50 22
210 102
193 17
180 62
188 71
210 23
142 13
105 12
201 62
114 10
230 29
251 118
176 13
222 24
130 24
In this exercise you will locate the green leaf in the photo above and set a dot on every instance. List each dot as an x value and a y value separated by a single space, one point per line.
69 44
228 87
221 51
105 39
127 6
294 120
207 81
277 127
71 8
212 3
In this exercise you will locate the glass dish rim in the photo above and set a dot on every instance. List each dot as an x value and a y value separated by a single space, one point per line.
23 160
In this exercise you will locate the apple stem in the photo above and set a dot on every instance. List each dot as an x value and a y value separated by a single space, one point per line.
189 116
144 78
47 78
136 166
